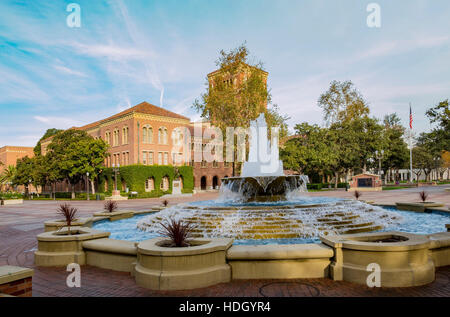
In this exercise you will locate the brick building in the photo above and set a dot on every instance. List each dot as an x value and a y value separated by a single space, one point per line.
9 156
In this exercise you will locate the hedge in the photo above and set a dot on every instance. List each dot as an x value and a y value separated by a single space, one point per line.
135 176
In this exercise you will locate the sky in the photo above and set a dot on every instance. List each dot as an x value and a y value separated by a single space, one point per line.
129 51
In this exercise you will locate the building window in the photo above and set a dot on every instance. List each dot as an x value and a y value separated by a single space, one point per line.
162 135
125 135
204 163
160 158
116 137
150 158
147 134
149 184
144 158
166 158
165 183
108 137
215 164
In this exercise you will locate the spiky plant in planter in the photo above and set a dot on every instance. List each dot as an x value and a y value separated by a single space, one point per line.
110 206
357 194
423 195
177 231
68 213
165 202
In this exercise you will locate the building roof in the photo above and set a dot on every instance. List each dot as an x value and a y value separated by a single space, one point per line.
143 107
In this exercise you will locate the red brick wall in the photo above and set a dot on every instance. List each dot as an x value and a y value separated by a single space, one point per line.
21 288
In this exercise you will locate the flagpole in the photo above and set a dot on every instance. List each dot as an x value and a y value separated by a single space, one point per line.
410 145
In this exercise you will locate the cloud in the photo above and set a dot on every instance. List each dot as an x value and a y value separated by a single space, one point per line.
111 51
58 122
396 47
69 71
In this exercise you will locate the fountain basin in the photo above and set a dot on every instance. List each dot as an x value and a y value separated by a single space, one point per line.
403 258
265 188
168 268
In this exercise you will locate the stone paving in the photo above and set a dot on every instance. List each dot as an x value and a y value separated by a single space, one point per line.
19 225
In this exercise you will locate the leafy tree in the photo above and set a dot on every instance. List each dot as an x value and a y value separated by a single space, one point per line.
46 171
396 153
440 115
87 156
47 134
423 160
7 175
71 155
342 102
310 151
24 172
238 94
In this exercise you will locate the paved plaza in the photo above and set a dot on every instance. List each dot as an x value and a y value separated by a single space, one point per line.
19 225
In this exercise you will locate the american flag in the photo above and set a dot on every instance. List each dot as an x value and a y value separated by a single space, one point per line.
410 117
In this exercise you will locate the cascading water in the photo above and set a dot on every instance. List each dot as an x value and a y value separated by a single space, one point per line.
263 204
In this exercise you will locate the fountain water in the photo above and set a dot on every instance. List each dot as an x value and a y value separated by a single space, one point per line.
262 177
263 204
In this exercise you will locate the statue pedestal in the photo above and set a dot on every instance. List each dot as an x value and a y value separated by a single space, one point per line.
176 187
116 196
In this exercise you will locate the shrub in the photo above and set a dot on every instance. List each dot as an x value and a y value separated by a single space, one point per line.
135 176
423 195
68 213
165 202
357 194
177 231
110 206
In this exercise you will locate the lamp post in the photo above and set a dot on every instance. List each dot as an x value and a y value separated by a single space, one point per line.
29 194
87 185
379 156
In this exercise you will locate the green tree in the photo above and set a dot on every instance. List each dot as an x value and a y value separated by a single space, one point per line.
46 172
24 172
311 150
47 134
8 174
238 94
87 156
70 155
342 102
423 161
396 153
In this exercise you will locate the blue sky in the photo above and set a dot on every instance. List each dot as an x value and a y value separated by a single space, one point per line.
160 51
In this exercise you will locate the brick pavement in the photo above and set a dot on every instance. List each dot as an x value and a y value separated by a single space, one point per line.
19 226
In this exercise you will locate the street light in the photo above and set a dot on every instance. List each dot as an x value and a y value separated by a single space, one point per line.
87 184
29 184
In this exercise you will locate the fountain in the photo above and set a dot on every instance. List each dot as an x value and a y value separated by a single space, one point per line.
262 177
265 205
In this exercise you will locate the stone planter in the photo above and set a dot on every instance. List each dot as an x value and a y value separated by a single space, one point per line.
116 215
418 206
53 225
11 202
404 261
58 248
448 227
201 265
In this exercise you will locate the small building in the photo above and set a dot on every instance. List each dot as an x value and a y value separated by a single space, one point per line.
366 182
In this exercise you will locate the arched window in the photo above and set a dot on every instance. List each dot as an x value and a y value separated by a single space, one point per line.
116 137
147 134
125 135
165 183
108 137
149 184
162 135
